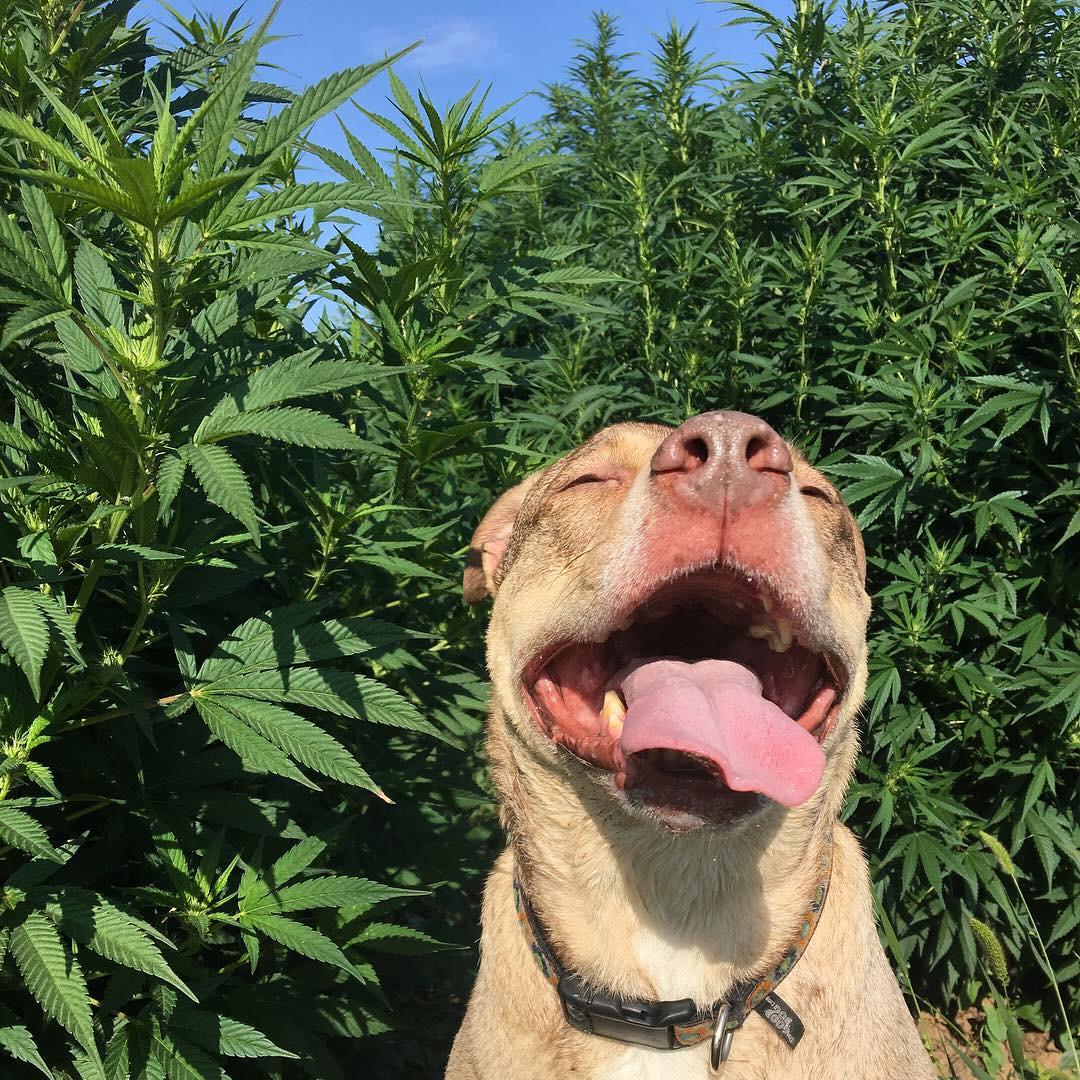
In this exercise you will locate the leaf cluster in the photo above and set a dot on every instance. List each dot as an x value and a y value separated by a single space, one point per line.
241 453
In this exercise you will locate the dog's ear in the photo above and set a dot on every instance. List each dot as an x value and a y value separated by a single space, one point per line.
489 542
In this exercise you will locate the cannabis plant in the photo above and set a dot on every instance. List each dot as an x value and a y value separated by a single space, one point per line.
192 696
873 242
241 454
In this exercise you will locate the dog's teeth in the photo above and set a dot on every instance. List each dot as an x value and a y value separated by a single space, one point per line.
613 704
780 637
625 624
613 712
759 631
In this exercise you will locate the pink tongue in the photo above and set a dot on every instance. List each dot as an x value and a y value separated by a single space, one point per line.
714 709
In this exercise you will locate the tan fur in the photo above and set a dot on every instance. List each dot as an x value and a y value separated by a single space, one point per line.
629 904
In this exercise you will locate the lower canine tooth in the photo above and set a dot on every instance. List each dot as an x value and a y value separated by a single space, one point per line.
613 712
786 632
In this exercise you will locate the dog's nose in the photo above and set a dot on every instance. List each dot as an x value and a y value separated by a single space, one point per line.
728 459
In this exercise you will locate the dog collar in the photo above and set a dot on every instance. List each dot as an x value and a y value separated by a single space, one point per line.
672 1025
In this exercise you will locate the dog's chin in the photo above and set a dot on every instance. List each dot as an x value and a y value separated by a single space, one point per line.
683 796
686 801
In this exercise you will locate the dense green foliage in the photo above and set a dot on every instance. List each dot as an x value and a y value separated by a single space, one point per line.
875 244
240 698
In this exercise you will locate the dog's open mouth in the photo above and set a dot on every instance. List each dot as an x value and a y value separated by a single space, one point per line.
704 702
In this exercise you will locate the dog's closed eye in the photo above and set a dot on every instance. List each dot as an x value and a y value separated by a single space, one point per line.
817 493
608 479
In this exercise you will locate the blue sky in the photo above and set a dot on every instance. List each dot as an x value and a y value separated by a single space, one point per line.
515 46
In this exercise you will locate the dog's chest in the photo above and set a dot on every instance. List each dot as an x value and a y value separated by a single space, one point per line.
677 971
641 1063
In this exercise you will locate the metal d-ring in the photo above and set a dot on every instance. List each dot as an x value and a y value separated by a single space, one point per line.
721 1039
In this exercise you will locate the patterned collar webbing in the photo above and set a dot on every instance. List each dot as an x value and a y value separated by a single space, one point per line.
742 999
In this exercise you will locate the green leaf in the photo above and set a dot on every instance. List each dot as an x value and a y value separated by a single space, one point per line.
940 136
135 553
93 921
60 620
197 196
42 776
303 427
277 639
318 100
23 129
321 892
38 550
186 1062
300 939
78 128
118 1052
298 858
170 475
88 1068
397 940
395 564
31 317
300 739
224 483
273 628
255 751
223 1035
54 978
292 200
82 355
24 632
20 830
47 233
294 377
97 286
16 1039
1070 531
17 439
216 120
341 692
27 266
94 195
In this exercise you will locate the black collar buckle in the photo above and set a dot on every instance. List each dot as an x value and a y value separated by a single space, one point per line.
629 1020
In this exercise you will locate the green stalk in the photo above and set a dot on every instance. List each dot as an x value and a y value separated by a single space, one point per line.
1048 968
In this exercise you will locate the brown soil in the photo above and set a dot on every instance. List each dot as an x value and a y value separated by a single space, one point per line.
947 1041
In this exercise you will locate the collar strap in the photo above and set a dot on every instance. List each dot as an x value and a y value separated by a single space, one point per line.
670 1025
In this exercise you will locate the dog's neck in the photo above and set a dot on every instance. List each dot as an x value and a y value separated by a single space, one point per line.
641 911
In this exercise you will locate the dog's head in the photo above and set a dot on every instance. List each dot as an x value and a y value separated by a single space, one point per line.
680 619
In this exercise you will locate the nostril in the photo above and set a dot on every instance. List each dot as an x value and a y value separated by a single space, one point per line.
697 453
680 452
757 453
768 453
722 448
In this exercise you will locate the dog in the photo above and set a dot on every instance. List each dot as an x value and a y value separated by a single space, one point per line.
677 652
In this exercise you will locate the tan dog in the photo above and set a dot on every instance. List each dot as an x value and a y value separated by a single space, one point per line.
678 653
